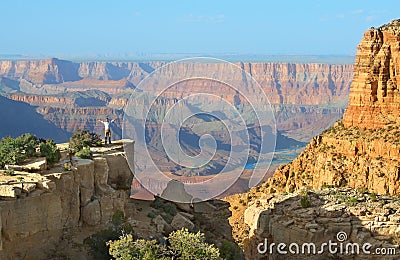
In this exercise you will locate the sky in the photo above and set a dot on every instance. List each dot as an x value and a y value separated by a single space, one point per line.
308 27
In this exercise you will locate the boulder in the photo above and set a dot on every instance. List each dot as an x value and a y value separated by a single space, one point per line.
180 221
91 214
9 191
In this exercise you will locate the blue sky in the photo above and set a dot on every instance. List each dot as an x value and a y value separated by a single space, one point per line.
208 26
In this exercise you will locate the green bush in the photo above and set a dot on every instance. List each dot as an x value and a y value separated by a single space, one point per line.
372 196
49 150
84 153
28 144
351 201
305 201
186 245
230 251
170 209
127 248
83 138
157 204
118 218
151 214
97 243
10 152
9 172
179 244
167 217
67 166
16 150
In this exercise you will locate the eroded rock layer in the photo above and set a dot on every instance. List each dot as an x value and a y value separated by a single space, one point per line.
362 150
374 97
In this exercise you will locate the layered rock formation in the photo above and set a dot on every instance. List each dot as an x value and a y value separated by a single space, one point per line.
59 201
284 83
363 149
303 95
352 162
375 98
50 214
342 216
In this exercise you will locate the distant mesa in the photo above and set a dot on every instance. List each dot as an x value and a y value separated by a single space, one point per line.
307 97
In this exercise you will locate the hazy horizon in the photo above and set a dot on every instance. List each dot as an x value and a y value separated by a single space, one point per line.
164 57
139 30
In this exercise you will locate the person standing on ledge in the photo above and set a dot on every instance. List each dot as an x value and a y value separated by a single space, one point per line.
107 131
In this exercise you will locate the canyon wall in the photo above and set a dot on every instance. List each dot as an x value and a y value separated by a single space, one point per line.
362 150
374 98
347 179
284 83
36 215
309 97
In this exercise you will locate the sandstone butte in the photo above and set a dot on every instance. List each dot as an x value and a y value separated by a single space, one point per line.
363 149
334 184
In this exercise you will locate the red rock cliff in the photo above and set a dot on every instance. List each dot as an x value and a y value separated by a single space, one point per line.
374 94
361 151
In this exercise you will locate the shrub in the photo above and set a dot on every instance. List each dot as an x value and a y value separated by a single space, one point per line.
167 217
16 150
27 143
351 201
170 208
362 190
230 251
50 151
10 152
118 218
127 248
83 138
326 186
151 214
84 153
305 201
157 204
188 245
372 196
97 242
180 244
67 166
9 172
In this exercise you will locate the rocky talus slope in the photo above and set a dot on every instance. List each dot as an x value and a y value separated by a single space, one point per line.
317 217
344 157
361 152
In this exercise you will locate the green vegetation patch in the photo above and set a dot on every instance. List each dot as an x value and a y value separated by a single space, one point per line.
13 151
